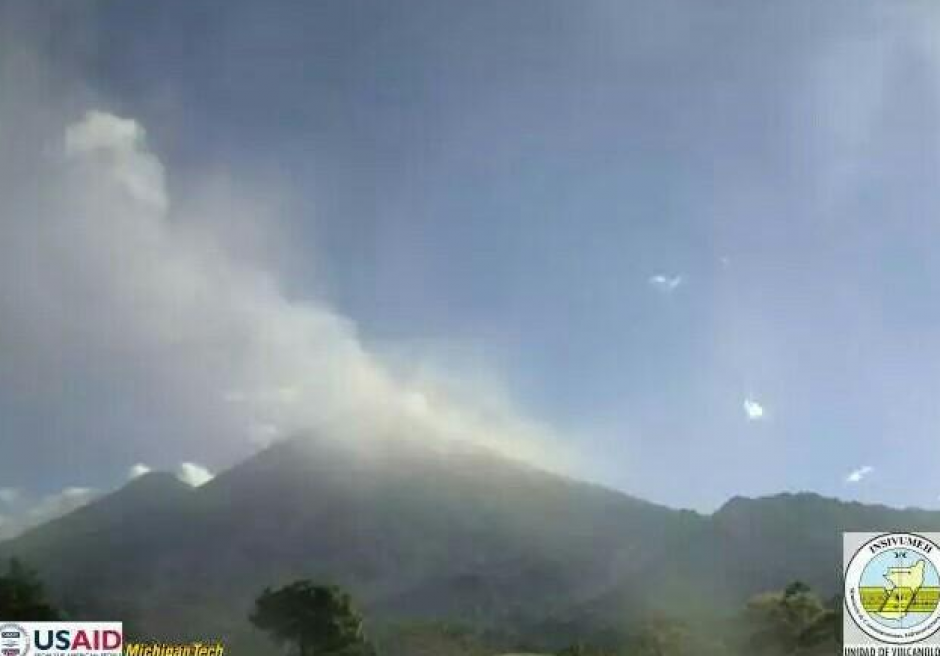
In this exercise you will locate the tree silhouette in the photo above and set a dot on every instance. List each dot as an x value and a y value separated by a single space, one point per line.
22 596
317 620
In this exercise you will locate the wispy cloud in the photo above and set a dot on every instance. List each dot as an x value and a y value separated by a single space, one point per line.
263 434
60 503
857 475
34 512
753 409
25 512
235 355
665 284
138 470
193 474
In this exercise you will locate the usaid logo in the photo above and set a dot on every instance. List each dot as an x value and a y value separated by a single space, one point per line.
61 639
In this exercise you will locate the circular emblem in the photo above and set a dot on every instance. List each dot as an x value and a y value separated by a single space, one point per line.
14 641
892 588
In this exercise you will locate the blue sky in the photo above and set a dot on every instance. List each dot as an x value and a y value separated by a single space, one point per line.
497 185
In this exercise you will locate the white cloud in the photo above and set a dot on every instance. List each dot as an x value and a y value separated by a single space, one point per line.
857 475
193 474
119 146
45 509
263 434
58 504
9 495
665 284
753 409
138 470
33 512
145 287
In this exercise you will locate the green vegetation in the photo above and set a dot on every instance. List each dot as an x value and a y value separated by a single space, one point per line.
793 622
321 620
318 620
23 597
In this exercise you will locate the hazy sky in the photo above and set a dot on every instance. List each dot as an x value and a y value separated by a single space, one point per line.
684 248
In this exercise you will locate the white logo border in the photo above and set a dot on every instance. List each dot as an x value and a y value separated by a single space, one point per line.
23 632
853 602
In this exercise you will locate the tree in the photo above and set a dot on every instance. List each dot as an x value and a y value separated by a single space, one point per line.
662 636
317 620
574 650
22 596
792 622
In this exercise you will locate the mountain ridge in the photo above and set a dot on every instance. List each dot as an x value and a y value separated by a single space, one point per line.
434 534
